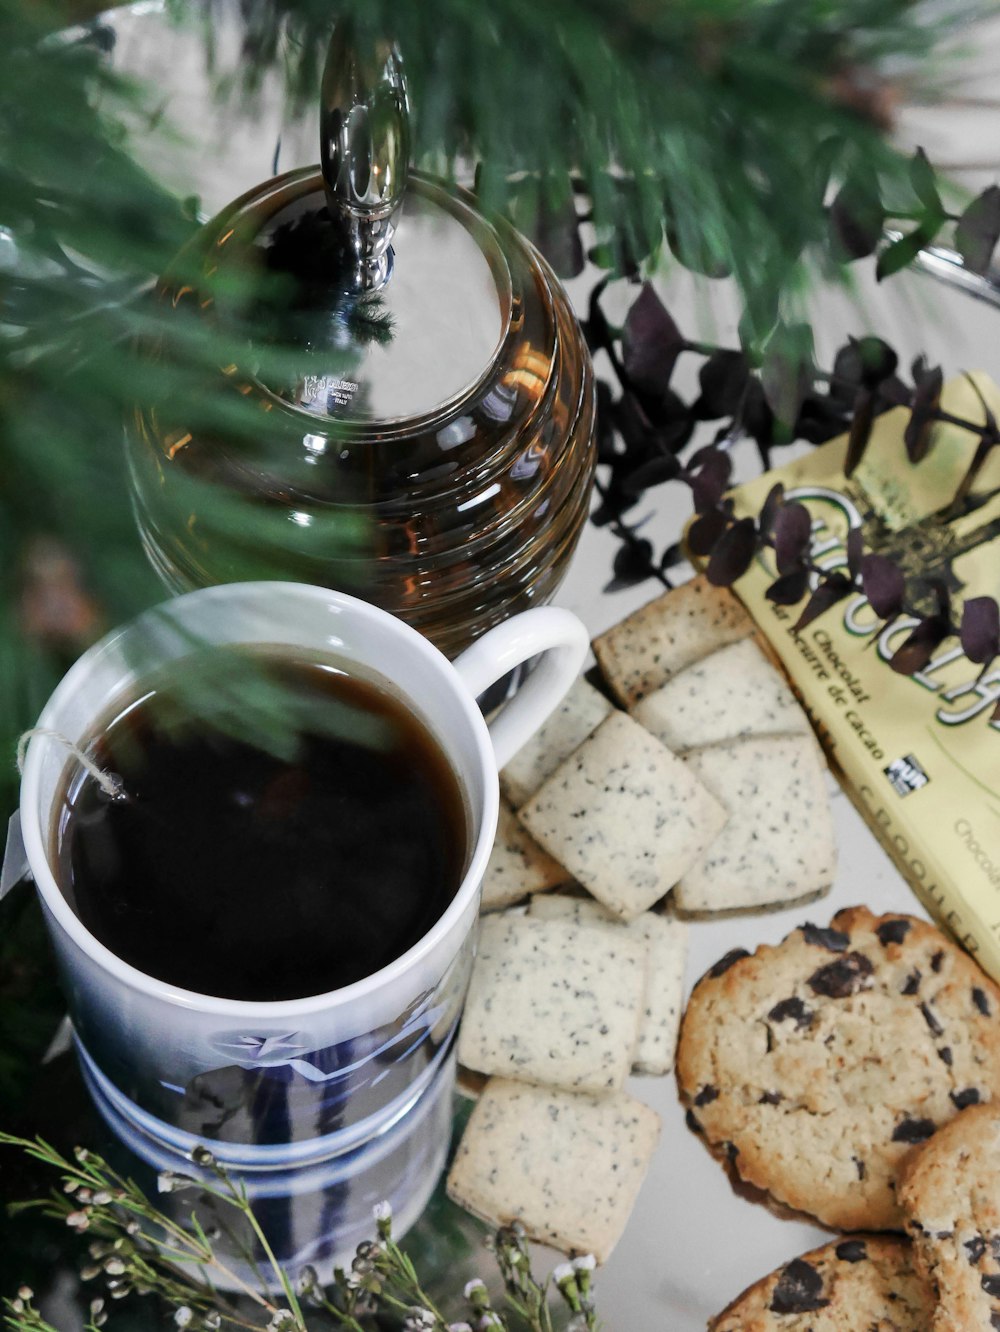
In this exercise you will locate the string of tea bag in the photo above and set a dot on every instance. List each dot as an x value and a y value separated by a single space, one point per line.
109 782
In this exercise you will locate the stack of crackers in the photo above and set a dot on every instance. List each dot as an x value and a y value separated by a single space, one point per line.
689 784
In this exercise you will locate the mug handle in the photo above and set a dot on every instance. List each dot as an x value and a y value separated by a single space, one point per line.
556 633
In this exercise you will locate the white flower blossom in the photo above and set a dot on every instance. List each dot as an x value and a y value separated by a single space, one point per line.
101 1198
78 1220
475 1289
183 1316
25 1293
563 1272
585 1263
114 1267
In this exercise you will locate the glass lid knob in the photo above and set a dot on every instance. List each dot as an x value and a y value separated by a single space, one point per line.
364 147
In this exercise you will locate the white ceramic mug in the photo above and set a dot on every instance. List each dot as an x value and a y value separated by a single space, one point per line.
276 1086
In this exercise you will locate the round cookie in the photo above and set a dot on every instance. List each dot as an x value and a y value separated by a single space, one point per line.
950 1192
860 1282
816 1065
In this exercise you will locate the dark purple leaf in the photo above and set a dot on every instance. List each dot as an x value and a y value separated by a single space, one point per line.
790 588
669 415
708 475
651 342
857 217
733 553
769 509
917 650
705 531
792 531
606 446
614 502
980 629
723 381
596 329
924 183
634 426
653 472
835 587
855 550
820 418
756 418
883 584
861 429
633 564
926 401
553 229
978 230
672 556
893 392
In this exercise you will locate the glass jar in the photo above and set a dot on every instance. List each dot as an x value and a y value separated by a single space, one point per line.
427 428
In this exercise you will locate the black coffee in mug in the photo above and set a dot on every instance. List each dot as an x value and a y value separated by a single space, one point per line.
231 872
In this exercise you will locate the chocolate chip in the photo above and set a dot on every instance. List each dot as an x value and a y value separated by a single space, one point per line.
771 1098
944 1234
732 1151
931 1021
707 1095
981 1002
995 1320
859 1166
912 983
838 980
791 1008
730 959
835 941
851 1251
944 1054
963 1099
937 961
892 932
692 1122
991 1284
913 1130
995 1246
976 1248
799 1290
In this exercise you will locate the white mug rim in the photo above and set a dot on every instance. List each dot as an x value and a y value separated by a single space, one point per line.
330 1000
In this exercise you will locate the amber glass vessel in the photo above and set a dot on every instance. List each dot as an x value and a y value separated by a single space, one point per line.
427 439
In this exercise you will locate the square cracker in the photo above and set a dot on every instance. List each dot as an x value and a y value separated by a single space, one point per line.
553 1002
778 845
732 693
625 816
517 866
581 712
662 1002
568 1165
680 627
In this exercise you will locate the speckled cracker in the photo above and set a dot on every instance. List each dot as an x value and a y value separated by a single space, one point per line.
680 627
666 941
625 816
950 1194
581 712
552 1002
569 1166
735 692
517 866
858 1283
778 845
816 1065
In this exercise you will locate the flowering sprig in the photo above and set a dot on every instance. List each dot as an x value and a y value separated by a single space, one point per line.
135 1249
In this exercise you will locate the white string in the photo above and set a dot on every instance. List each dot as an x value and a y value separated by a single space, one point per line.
109 782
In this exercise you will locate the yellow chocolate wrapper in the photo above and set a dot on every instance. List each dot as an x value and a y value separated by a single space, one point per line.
919 755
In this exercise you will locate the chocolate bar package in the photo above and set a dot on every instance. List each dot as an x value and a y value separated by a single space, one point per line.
919 755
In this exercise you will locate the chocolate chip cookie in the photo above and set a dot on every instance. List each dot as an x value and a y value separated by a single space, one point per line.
859 1283
815 1066
949 1190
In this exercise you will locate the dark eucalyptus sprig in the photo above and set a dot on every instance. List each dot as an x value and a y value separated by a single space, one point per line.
135 1249
774 397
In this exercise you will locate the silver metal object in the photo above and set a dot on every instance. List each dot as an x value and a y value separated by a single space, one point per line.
365 147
